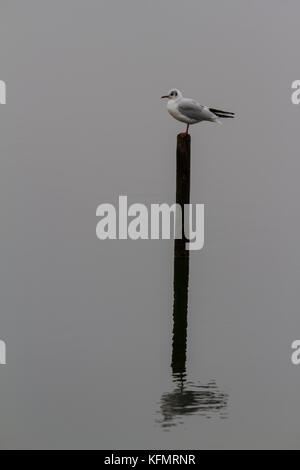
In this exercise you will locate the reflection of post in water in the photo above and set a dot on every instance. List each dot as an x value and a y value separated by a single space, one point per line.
187 397
180 310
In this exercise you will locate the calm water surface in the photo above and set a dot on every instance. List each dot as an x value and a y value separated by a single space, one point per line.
108 345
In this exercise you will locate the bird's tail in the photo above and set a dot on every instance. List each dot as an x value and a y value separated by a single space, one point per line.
216 120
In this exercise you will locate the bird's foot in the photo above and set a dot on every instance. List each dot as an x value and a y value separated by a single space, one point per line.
184 134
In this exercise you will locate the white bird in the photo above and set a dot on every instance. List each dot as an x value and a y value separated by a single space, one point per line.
190 111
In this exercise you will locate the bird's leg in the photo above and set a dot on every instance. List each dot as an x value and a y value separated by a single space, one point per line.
184 134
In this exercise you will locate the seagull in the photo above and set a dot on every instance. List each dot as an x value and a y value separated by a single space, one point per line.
190 111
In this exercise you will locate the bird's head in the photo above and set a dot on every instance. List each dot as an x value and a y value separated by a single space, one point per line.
173 94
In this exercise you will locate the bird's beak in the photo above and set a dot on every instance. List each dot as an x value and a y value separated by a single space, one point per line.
165 96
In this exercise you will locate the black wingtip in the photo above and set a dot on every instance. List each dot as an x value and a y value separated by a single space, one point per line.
224 115
220 113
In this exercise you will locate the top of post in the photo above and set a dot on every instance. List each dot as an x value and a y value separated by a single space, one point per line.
183 137
183 143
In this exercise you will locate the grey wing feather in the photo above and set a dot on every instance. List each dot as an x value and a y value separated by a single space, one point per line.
191 109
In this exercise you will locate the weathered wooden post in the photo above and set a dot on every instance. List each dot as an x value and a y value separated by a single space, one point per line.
181 258
183 178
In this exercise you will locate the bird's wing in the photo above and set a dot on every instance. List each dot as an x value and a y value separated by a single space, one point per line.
191 109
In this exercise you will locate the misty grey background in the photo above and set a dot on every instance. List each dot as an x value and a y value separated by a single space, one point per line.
88 323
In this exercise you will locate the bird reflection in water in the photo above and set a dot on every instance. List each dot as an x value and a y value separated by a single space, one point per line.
187 398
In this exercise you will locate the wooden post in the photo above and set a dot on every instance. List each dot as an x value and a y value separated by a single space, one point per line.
181 259
183 178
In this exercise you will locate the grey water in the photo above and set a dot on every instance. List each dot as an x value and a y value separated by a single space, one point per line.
112 344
